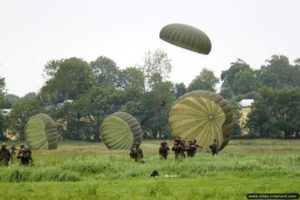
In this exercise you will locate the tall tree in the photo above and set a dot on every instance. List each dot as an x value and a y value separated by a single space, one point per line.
157 67
22 110
239 79
72 78
275 112
180 89
105 71
206 80
279 73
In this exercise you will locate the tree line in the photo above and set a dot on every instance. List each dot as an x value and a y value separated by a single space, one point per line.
78 95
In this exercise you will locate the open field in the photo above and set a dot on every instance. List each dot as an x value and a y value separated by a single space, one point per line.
81 170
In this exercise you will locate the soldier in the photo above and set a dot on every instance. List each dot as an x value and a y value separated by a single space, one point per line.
136 153
214 147
178 149
191 149
5 155
163 150
13 149
24 155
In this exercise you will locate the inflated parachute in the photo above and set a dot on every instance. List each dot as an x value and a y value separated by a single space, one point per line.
187 37
120 130
202 116
41 132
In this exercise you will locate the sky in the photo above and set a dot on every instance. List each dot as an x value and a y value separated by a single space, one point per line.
32 32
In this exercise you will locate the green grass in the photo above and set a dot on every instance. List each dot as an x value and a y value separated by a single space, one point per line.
81 170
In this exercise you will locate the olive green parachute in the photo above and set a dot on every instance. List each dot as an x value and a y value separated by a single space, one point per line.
120 130
41 132
202 116
187 37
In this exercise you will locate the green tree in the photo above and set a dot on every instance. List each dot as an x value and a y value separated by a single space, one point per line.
105 71
279 73
71 78
22 110
157 67
276 112
206 80
239 79
180 89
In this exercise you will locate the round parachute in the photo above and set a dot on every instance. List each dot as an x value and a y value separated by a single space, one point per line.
41 132
203 116
187 37
120 130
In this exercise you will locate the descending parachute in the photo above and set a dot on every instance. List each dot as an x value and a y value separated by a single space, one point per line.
203 116
41 132
187 37
120 130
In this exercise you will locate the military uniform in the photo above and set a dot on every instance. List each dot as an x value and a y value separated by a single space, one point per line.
24 155
191 149
214 148
5 155
178 149
136 153
13 149
163 150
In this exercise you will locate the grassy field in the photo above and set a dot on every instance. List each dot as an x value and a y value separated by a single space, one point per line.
81 170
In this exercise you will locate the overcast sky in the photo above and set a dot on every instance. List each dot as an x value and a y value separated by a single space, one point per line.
33 32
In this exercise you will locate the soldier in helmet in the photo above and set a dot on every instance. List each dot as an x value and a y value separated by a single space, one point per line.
214 147
5 155
178 148
163 150
24 155
136 153
191 149
13 149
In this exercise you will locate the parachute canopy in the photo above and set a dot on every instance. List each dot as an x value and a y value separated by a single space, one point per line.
187 37
203 116
120 130
41 132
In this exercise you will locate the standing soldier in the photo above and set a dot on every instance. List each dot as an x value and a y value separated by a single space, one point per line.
163 150
178 149
214 147
136 153
5 155
24 155
13 149
191 149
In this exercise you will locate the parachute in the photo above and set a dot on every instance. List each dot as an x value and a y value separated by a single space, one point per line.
203 116
187 37
120 130
41 132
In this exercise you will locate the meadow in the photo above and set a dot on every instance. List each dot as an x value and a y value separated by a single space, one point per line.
82 170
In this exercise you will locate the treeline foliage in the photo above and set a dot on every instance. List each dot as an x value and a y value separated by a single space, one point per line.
78 95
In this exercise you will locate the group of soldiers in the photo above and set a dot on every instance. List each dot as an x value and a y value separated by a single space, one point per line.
180 147
7 155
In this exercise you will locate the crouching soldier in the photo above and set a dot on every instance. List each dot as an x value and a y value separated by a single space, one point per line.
136 153
24 155
163 150
5 155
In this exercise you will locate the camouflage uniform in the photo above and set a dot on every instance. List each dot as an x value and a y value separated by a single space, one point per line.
24 155
5 155
191 149
214 147
136 153
178 149
13 149
163 150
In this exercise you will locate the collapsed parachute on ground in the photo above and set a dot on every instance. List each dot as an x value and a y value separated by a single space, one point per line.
120 130
202 116
41 132
187 37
